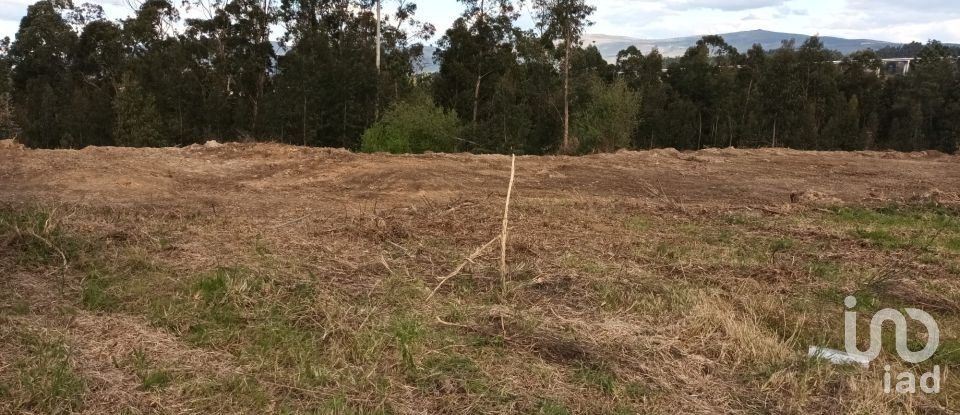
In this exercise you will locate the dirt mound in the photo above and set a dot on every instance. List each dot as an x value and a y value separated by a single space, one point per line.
933 196
11 144
290 177
813 197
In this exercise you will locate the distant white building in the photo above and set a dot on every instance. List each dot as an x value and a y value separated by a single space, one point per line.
895 66
891 66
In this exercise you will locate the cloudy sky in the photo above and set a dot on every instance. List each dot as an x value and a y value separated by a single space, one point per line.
891 20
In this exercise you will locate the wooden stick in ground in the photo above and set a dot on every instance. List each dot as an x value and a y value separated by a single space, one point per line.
469 259
503 232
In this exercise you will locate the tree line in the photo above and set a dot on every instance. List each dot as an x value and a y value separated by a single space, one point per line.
304 72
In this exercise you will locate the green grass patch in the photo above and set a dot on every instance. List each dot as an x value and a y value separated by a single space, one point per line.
637 223
406 331
47 377
638 391
95 293
340 405
671 251
825 269
738 219
948 354
614 294
15 307
552 407
880 238
585 265
952 244
37 239
213 286
150 377
901 226
891 215
718 236
597 376
232 394
781 244
455 373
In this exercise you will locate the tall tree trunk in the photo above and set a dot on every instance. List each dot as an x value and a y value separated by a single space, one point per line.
476 98
261 79
729 130
566 98
699 128
774 131
304 119
376 105
746 107
262 36
476 90
716 129
255 113
180 117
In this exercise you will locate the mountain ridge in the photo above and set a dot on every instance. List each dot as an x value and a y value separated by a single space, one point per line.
672 47
610 45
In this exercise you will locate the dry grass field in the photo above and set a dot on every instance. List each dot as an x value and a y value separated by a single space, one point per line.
261 278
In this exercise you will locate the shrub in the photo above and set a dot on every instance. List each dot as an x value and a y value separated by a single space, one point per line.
137 122
414 125
606 123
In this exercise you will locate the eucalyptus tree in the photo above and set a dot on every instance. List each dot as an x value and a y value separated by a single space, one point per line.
232 52
97 64
705 75
41 82
474 55
564 21
326 92
8 123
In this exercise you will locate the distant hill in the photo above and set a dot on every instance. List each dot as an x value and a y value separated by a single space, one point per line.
673 47
610 45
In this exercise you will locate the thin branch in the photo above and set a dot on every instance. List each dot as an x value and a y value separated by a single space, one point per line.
469 259
503 232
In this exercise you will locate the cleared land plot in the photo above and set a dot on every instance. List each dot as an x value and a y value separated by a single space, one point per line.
265 278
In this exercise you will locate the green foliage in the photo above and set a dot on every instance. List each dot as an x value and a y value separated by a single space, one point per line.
879 237
137 124
51 382
37 240
597 376
8 123
551 407
413 126
71 78
95 293
607 122
406 331
41 79
150 377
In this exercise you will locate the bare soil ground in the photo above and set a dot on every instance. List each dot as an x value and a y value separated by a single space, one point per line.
260 278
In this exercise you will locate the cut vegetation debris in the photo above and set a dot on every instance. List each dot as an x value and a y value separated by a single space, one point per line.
838 357
253 278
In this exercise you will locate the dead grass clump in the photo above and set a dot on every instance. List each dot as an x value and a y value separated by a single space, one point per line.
813 197
264 288
736 339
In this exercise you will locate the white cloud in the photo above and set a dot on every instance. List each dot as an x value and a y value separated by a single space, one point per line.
725 5
893 20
